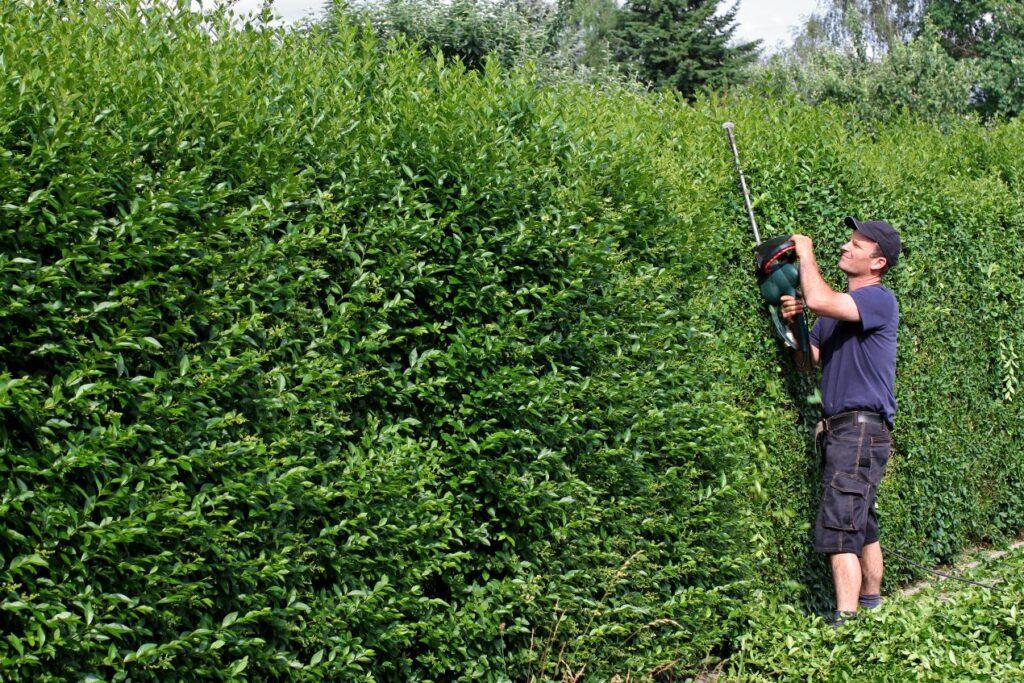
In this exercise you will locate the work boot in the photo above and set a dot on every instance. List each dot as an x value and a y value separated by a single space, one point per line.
840 618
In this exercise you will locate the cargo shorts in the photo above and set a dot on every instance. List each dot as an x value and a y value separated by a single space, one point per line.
855 456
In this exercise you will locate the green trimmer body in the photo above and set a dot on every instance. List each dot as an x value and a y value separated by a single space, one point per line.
778 276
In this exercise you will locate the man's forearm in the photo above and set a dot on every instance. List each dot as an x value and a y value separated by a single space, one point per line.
819 297
815 289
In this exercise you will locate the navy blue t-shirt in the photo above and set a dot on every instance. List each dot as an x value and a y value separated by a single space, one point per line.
858 358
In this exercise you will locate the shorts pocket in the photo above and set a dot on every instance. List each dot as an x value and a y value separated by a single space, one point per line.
845 503
881 447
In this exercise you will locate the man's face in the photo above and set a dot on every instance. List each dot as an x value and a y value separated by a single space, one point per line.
857 257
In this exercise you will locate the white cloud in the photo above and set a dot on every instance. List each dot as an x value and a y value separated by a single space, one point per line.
771 21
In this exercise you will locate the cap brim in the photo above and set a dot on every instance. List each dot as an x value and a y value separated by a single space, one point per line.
851 223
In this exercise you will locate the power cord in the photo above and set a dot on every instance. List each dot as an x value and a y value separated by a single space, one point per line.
945 576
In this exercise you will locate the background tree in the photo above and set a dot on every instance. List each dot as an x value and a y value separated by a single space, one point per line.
682 44
864 28
919 77
581 35
882 52
991 33
469 30
963 26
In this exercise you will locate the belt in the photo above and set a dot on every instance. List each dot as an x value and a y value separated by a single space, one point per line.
854 417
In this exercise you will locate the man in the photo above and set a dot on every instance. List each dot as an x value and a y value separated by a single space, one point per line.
855 341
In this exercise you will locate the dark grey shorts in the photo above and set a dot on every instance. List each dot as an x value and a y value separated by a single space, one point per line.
855 459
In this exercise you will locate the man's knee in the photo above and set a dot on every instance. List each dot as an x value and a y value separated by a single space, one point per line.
871 576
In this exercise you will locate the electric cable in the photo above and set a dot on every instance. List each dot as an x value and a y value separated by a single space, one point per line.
887 549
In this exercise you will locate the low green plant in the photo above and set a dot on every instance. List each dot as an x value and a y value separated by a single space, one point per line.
947 632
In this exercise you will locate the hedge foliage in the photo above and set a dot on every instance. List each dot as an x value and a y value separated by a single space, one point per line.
948 632
322 360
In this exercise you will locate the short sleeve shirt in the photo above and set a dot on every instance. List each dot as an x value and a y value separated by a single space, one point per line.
858 358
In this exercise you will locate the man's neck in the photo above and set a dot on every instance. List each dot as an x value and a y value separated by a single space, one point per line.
858 281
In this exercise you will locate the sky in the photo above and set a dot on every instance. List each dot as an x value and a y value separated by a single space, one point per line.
770 20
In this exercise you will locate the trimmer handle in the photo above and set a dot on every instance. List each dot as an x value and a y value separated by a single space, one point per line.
802 342
803 338
784 280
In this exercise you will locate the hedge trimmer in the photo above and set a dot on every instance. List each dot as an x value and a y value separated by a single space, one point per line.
775 266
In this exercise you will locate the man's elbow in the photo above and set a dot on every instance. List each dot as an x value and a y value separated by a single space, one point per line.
814 304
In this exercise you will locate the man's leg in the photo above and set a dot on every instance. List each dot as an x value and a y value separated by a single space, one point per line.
846 576
871 568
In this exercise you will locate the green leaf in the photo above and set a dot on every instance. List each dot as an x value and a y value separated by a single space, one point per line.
144 648
33 559
238 666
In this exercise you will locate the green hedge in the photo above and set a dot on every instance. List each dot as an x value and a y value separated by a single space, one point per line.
325 361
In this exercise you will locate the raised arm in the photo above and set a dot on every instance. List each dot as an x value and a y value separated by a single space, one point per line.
818 296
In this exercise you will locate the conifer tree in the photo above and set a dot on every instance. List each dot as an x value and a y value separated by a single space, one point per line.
681 44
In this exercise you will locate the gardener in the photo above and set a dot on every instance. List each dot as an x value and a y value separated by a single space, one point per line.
855 340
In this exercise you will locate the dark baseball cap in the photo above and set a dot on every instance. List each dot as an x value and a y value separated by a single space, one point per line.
881 232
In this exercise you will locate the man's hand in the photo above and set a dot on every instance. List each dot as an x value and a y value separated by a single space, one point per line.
790 307
803 244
